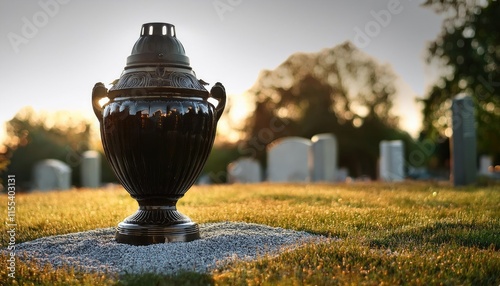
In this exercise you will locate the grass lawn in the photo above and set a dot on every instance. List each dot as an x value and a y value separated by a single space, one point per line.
390 234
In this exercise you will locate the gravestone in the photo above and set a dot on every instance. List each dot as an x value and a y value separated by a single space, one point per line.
90 169
485 164
463 141
324 158
342 175
392 161
288 160
51 174
244 170
204 180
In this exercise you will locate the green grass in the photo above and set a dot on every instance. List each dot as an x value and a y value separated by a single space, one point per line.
409 233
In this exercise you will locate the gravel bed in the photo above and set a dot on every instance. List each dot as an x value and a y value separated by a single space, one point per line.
220 243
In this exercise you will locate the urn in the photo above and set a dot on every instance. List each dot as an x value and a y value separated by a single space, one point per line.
157 131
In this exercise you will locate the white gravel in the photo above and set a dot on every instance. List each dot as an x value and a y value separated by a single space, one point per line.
220 243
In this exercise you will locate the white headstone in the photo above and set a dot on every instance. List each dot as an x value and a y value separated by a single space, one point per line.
244 170
485 163
392 161
204 180
342 175
463 141
51 174
90 169
288 160
324 158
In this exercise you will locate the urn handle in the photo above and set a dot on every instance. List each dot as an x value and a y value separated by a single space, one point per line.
219 92
98 92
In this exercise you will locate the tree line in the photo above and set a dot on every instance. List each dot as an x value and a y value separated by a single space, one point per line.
338 90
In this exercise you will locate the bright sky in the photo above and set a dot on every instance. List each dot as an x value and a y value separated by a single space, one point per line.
54 51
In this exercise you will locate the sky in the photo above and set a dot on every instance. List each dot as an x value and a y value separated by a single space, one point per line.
54 51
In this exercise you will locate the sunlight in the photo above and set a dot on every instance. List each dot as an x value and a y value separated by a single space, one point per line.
49 121
3 149
213 101
359 109
448 132
237 111
103 101
443 120
357 122
241 107
226 133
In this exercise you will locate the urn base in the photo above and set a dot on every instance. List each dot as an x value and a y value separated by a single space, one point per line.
156 224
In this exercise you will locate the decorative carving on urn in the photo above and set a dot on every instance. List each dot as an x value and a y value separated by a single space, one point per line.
161 77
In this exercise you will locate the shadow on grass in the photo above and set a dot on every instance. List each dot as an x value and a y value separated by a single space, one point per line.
481 235
182 278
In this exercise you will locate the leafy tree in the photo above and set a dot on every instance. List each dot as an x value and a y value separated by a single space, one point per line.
33 137
339 90
468 52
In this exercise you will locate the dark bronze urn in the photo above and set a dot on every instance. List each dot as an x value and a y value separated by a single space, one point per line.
157 130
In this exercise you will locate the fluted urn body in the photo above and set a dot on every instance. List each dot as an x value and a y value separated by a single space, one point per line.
157 131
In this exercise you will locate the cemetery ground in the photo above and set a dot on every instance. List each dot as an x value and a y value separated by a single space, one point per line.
380 233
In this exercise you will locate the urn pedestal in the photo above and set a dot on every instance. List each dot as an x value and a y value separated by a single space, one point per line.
157 131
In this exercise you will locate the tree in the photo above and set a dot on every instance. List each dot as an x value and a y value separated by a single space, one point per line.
467 51
33 137
339 90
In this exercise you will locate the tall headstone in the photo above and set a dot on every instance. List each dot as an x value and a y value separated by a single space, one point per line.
324 158
463 141
90 169
288 160
244 170
392 161
51 174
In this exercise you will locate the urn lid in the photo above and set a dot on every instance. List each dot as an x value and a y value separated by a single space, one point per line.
158 44
158 62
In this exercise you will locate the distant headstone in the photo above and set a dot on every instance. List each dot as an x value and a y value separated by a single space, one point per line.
392 161
485 164
204 180
288 160
324 158
244 170
463 141
51 174
342 175
90 169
